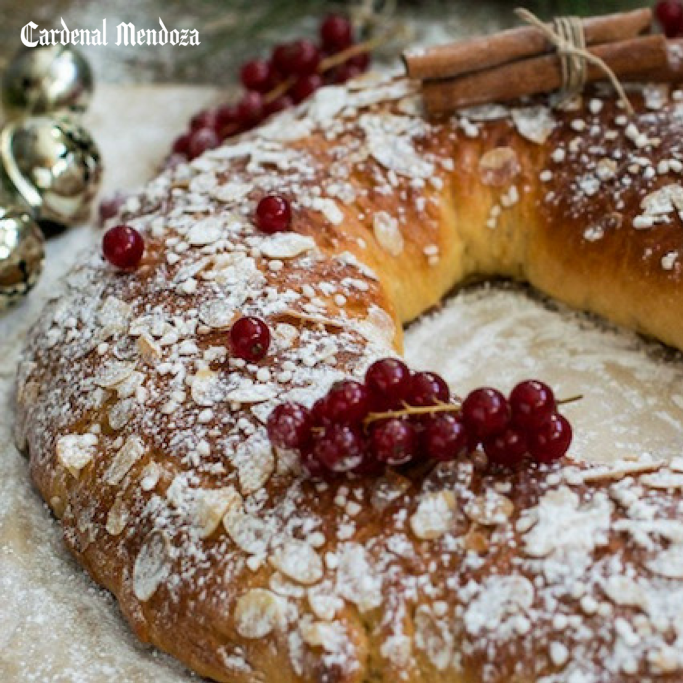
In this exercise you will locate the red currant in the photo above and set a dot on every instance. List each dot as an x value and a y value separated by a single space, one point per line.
427 389
123 246
369 466
203 119
276 74
347 402
300 58
336 32
388 381
445 437
181 145
202 140
669 13
312 466
485 412
319 411
273 214
345 72
250 109
278 104
508 448
226 119
257 75
289 425
339 447
551 440
305 87
360 61
249 338
531 402
279 60
394 441
110 206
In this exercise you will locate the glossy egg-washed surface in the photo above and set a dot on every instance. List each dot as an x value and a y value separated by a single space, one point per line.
148 440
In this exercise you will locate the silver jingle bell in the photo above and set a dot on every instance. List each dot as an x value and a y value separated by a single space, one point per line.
21 254
54 166
46 79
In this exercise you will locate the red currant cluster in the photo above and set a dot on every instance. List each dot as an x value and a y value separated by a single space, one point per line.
669 13
293 72
396 417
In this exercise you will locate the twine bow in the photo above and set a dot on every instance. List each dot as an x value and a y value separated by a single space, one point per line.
568 37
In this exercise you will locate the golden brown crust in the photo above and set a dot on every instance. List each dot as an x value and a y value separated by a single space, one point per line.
149 444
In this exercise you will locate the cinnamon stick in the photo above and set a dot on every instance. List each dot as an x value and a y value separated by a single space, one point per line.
485 52
651 57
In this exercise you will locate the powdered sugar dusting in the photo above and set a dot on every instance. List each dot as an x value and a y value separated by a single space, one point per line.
161 382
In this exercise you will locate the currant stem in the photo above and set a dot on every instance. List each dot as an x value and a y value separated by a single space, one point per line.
352 51
439 408
329 63
413 410
278 90
571 399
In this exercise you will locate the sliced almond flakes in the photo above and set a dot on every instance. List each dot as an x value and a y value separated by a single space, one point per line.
152 565
257 613
388 233
298 561
489 509
131 451
211 505
75 451
434 515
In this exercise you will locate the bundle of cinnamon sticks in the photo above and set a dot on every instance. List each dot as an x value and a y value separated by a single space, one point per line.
523 61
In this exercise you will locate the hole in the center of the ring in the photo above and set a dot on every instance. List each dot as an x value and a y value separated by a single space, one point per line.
500 333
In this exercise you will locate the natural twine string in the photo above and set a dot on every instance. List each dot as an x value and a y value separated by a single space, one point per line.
568 36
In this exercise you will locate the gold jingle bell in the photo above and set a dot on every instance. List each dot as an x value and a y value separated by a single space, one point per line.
45 79
21 254
53 164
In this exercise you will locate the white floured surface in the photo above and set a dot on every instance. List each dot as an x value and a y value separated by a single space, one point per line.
499 335
57 626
